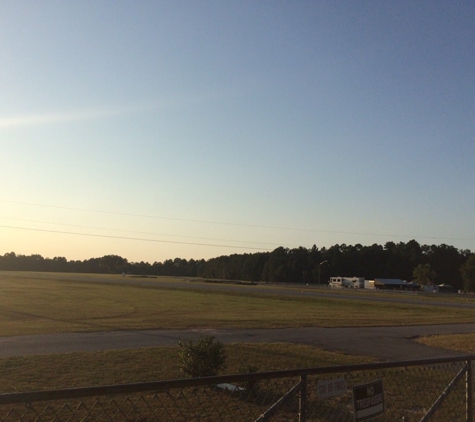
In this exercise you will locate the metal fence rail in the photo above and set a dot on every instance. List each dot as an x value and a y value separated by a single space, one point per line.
421 390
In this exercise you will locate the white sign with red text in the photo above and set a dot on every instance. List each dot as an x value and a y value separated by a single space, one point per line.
331 388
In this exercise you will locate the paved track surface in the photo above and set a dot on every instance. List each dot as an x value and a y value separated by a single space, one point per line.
384 343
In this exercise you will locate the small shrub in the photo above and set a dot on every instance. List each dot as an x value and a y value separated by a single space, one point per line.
205 358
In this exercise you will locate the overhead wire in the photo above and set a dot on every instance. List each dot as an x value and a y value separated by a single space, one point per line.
312 230
137 231
132 238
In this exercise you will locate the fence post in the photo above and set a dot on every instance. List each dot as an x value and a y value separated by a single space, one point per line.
303 399
468 390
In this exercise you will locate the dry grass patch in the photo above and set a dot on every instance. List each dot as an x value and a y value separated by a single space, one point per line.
459 342
70 370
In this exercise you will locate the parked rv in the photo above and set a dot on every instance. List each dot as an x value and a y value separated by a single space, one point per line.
346 282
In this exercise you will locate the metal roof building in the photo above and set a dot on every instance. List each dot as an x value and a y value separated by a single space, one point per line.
394 284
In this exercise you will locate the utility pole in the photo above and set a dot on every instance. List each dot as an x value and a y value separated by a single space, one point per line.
320 270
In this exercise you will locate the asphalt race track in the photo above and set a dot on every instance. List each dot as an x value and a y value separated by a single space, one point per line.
384 343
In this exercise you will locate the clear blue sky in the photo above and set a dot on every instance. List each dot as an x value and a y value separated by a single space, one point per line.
193 129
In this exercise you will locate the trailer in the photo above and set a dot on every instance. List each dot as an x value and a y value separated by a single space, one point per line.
369 284
347 282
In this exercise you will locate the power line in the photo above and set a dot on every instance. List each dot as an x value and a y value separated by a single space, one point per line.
132 238
387 235
149 216
140 232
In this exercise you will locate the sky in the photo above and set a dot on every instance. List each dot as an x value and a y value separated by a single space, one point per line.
194 129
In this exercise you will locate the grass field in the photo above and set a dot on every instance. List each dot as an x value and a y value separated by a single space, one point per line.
46 303
70 370
51 303
40 303
459 342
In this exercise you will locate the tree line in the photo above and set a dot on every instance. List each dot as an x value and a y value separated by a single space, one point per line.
408 261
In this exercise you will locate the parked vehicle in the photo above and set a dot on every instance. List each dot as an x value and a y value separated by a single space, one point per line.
346 282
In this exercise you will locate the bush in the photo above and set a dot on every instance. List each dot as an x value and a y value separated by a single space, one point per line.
205 358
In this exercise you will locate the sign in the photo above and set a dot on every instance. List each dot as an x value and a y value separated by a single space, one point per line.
368 400
331 388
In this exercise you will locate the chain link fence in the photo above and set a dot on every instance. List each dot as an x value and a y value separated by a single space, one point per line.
428 390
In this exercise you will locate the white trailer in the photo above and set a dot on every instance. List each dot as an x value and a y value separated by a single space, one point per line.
346 282
369 284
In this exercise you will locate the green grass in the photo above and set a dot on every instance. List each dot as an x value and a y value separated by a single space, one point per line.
70 370
53 303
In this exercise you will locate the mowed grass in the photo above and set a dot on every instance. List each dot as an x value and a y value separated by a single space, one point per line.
32 373
43 303
459 342
53 303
